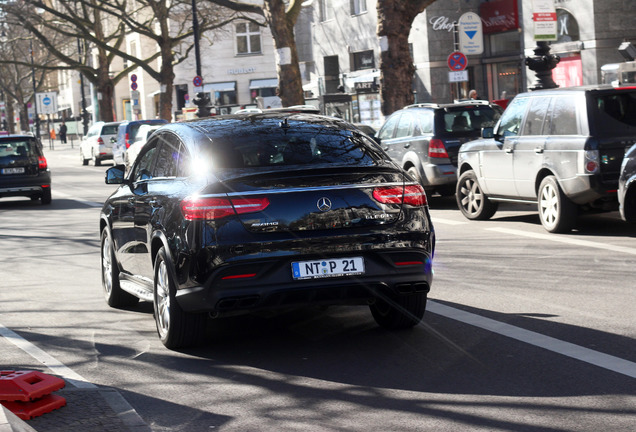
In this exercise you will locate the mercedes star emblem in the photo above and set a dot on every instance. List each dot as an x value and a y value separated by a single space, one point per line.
324 204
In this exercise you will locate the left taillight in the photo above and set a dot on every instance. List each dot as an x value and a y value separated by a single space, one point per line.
201 208
411 194
42 163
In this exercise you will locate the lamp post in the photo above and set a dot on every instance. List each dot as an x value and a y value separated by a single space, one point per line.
35 103
200 100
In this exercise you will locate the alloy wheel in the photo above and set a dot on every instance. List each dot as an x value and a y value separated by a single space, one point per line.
471 196
162 297
549 205
107 266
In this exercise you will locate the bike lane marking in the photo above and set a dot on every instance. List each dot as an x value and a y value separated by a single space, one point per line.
605 361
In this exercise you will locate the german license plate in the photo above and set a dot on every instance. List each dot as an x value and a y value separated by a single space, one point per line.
19 170
332 267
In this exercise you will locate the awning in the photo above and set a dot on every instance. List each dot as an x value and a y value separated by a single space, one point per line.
220 87
263 83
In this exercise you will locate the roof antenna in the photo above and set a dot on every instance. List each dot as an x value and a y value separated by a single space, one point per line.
284 124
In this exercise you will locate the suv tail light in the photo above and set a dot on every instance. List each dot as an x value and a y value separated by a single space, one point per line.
127 140
436 149
591 161
42 165
194 208
100 141
411 194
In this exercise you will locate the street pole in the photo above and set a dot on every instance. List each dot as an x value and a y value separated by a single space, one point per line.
35 103
84 113
195 30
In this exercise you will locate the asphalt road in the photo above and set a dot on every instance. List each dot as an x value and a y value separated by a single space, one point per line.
525 331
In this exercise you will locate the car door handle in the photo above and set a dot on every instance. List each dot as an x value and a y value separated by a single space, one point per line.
131 200
538 150
407 145
386 148
154 203
508 149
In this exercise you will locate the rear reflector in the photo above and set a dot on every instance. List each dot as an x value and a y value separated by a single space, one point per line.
408 263
239 276
194 208
411 194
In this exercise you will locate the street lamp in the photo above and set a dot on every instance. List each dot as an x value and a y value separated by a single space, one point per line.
35 104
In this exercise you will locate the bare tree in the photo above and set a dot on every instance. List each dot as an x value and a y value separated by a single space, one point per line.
395 18
281 17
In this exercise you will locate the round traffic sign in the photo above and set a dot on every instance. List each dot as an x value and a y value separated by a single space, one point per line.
46 100
186 96
133 86
197 81
457 61
133 78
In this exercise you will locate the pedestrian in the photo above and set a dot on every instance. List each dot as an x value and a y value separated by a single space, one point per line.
473 94
62 133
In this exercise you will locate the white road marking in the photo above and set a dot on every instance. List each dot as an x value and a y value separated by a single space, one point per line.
448 222
46 359
565 239
74 198
586 355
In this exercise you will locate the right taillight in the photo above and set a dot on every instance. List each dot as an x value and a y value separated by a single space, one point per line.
201 208
436 149
127 142
411 194
591 161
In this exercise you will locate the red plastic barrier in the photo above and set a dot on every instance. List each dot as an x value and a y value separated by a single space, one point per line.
28 410
27 385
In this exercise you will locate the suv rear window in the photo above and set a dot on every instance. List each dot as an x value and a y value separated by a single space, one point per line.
18 148
317 145
614 114
110 129
467 119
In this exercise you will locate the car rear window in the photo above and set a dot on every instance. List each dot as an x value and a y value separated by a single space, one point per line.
18 148
468 119
110 129
281 147
614 114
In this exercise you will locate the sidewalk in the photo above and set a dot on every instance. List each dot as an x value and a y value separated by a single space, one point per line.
98 409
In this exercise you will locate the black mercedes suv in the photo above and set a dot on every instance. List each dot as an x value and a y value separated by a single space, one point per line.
247 212
24 171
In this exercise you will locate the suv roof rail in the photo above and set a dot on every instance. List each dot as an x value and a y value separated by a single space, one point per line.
472 102
423 105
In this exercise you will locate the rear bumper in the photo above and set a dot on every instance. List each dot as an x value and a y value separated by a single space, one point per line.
439 175
273 287
26 186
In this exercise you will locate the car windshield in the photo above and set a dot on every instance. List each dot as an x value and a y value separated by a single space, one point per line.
468 119
17 148
296 145
616 114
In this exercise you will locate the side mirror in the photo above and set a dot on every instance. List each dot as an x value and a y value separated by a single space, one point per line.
116 175
487 132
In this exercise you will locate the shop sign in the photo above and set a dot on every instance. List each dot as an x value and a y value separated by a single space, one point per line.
568 72
238 71
365 87
545 20
499 16
442 23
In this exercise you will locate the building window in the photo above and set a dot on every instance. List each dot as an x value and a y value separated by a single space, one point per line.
358 6
326 10
248 38
363 60
223 93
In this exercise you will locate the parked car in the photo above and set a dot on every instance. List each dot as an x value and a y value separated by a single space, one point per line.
233 214
97 144
24 170
424 139
559 149
627 186
143 133
126 135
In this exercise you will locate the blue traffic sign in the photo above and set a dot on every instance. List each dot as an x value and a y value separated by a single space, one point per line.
457 61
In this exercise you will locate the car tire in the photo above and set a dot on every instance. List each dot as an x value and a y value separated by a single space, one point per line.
176 328
557 212
96 160
46 196
397 312
415 174
114 295
472 202
83 159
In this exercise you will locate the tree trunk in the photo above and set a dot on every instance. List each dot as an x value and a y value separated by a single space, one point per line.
166 80
290 84
10 112
395 19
